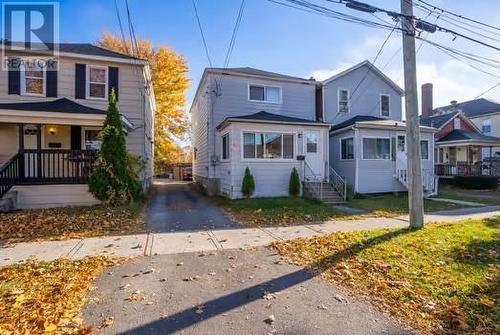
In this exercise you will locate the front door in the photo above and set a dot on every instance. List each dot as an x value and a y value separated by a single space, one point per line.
313 156
401 158
30 158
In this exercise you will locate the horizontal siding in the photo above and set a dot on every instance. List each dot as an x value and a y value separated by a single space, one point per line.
365 99
495 131
345 168
132 103
46 196
271 176
200 132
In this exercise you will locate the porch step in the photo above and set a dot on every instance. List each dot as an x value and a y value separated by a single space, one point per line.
8 202
329 195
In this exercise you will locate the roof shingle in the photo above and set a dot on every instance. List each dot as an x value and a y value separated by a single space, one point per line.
62 105
473 108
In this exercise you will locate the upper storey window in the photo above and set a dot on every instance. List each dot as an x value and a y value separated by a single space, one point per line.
262 93
97 82
385 104
32 79
343 98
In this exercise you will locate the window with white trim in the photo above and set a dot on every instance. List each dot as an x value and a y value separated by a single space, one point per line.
92 140
97 82
311 142
225 146
486 126
264 93
385 104
424 149
347 148
376 148
32 79
343 97
268 146
456 123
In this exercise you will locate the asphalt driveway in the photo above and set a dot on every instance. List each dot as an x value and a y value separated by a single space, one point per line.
228 292
179 206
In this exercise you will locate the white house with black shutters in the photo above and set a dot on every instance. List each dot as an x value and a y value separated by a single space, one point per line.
50 118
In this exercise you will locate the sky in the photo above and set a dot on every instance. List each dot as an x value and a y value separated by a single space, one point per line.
289 41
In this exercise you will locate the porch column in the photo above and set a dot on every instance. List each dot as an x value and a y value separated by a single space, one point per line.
20 150
39 150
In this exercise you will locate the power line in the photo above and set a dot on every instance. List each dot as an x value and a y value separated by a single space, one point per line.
463 17
488 90
234 34
121 26
135 46
202 34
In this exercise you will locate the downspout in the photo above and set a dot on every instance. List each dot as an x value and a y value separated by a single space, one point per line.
357 157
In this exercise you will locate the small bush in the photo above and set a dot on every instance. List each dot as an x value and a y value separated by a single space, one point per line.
476 182
248 184
294 184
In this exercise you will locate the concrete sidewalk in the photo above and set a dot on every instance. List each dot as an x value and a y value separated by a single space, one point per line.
211 240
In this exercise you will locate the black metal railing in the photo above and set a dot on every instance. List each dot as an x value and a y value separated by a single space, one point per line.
465 169
49 166
9 174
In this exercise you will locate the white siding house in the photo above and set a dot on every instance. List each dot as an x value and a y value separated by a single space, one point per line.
245 117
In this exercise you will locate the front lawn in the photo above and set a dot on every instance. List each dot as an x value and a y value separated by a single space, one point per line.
70 222
491 197
277 211
291 211
444 278
46 297
392 205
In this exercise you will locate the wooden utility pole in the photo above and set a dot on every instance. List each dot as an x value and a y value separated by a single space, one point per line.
414 162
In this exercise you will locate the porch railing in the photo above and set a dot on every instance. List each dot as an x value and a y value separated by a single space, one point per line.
9 174
56 166
465 169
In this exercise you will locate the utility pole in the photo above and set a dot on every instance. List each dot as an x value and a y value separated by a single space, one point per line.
414 162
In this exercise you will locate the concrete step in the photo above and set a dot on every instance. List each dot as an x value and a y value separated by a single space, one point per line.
8 203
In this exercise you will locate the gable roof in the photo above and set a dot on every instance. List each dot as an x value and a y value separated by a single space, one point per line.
373 68
462 135
86 49
474 108
62 105
266 117
437 121
256 72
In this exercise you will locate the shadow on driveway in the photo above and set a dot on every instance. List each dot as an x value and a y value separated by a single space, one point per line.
179 206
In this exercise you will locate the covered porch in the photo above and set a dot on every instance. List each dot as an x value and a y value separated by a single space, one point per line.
460 153
47 143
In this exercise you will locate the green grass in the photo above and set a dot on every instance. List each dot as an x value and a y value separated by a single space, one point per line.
277 211
491 197
390 204
444 275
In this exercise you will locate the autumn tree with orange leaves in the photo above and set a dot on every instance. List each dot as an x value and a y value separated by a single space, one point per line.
170 83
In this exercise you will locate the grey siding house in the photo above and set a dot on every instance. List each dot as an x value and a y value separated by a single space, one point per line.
367 139
50 120
244 117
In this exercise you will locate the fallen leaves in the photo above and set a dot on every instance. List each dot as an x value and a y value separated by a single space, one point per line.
443 278
46 297
70 222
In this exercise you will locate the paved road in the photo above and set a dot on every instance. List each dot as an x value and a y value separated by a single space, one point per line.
228 292
178 206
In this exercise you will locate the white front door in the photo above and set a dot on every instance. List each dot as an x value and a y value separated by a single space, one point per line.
401 158
30 136
313 155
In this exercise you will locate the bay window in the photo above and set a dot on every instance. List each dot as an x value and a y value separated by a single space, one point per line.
377 148
268 146
424 149
225 146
